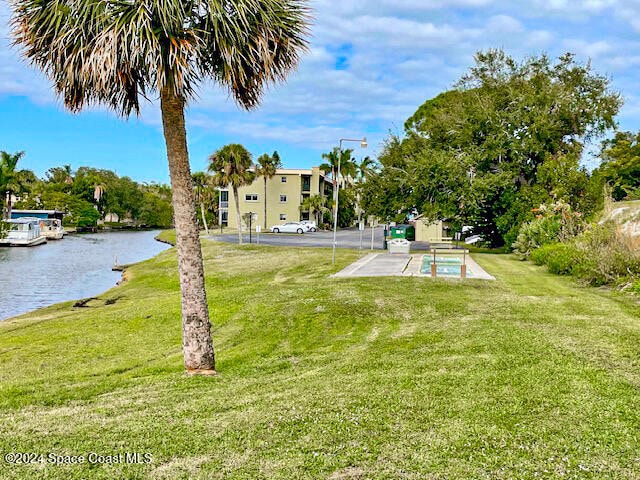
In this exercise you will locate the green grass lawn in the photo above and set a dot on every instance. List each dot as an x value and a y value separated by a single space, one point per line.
530 376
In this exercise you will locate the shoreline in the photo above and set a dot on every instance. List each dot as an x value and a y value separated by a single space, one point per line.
123 278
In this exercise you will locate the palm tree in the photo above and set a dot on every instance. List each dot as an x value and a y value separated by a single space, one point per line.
266 167
201 188
316 205
116 52
9 179
230 166
365 169
342 159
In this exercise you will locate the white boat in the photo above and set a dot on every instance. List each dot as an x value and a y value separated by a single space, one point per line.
51 228
23 232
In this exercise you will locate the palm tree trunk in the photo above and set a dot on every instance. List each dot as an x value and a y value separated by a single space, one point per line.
204 220
197 344
235 196
265 204
9 205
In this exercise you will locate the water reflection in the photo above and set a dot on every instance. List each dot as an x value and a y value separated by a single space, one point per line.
77 267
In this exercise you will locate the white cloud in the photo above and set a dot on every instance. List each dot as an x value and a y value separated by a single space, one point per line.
504 24
399 53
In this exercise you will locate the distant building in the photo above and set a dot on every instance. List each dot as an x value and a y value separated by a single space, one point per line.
285 193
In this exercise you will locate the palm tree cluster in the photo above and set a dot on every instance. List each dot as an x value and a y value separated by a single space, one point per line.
353 174
316 205
114 53
231 168
10 179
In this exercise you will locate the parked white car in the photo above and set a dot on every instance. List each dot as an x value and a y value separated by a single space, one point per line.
289 227
310 224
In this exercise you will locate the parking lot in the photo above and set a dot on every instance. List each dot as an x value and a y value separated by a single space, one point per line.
347 238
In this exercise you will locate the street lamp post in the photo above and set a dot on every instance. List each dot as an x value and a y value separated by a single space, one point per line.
250 226
363 144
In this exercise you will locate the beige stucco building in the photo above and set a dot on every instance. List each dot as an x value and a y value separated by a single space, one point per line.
285 194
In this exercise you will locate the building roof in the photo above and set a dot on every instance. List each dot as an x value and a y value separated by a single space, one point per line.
14 210
293 171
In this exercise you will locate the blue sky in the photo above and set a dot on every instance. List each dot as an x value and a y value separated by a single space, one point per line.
370 66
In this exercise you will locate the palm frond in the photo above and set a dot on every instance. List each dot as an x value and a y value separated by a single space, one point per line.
113 52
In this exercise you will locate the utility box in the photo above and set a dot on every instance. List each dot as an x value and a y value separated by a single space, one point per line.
406 232
399 245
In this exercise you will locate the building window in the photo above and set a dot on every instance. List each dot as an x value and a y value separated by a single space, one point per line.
224 199
283 199
251 197
283 217
283 179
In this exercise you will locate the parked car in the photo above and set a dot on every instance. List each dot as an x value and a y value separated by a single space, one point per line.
310 224
289 227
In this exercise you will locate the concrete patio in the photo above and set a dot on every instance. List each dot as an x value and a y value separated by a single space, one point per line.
388 265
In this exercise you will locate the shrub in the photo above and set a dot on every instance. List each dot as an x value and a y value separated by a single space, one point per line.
535 234
540 255
554 223
560 258
601 255
610 256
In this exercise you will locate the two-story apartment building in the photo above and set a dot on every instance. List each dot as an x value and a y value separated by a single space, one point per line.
285 193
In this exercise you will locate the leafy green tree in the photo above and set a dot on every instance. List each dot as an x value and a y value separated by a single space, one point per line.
620 166
155 211
230 166
60 178
507 139
347 211
114 53
266 167
98 186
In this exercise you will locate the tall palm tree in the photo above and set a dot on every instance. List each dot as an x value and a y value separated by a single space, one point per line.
9 179
266 167
337 158
365 169
114 52
230 166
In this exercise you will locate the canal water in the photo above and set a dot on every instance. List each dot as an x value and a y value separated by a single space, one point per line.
79 266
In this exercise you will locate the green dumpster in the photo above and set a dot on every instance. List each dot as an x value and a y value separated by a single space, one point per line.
408 232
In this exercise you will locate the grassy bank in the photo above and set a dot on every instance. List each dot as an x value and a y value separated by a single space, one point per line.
530 376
